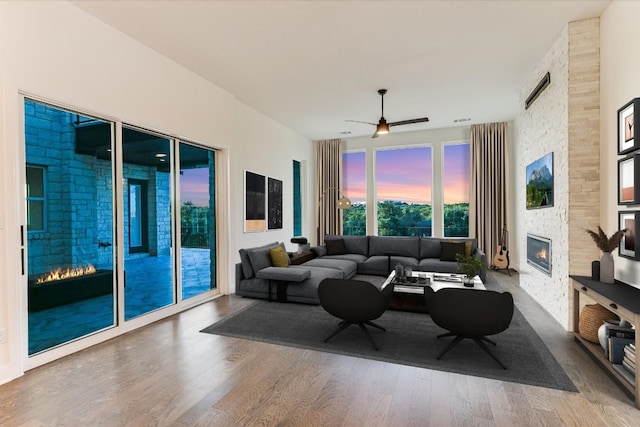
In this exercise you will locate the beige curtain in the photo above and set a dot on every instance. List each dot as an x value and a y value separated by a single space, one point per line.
328 186
488 208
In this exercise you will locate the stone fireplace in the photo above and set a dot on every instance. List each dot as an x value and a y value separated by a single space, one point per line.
539 253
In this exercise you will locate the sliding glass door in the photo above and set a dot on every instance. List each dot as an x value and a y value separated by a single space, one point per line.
148 255
69 232
73 204
197 220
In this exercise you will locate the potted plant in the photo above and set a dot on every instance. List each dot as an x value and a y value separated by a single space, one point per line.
469 266
606 245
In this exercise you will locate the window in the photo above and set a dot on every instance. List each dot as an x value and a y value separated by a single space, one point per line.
404 191
297 200
35 198
354 187
413 186
455 186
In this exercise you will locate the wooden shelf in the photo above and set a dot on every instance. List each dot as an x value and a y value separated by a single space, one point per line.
597 353
619 298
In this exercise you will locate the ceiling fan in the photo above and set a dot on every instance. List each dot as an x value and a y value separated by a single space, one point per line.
382 127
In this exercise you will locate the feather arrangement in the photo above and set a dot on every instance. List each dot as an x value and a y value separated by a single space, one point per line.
604 243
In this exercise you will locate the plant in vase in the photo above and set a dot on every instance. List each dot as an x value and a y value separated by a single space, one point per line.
469 266
606 245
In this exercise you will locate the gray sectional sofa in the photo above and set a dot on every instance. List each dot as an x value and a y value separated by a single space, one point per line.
346 257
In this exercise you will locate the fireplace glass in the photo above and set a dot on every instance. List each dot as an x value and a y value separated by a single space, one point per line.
539 253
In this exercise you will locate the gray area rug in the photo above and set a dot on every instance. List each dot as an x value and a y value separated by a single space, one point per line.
410 339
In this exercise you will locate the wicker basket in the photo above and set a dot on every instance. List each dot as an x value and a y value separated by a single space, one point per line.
591 318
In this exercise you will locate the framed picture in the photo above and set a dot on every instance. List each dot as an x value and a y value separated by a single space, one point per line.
540 183
628 222
626 127
274 203
628 173
254 202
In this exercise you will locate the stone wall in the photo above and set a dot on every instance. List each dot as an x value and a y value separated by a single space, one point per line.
79 198
563 120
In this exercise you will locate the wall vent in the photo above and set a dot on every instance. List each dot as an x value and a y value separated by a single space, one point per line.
538 90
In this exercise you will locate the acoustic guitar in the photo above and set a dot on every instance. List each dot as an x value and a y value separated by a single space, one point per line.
501 258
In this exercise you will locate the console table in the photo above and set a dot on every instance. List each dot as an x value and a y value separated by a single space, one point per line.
619 298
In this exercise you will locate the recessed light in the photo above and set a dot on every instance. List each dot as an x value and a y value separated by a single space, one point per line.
344 132
466 119
161 155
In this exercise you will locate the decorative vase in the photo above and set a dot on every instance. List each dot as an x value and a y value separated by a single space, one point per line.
468 281
602 335
400 273
606 268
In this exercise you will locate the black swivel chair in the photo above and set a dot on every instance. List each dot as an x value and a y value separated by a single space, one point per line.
355 302
468 313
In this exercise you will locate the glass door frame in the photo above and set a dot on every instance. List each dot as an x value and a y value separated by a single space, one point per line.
121 326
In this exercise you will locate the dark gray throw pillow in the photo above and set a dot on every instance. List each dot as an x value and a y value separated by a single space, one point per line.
336 247
247 270
448 250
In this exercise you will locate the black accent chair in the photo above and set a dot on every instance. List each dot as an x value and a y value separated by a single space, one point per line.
469 313
355 302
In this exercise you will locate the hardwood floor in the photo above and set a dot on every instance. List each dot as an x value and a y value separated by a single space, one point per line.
169 374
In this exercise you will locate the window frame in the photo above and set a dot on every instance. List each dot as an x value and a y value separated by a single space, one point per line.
444 145
43 199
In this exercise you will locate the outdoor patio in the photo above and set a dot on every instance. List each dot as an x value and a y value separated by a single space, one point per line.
149 286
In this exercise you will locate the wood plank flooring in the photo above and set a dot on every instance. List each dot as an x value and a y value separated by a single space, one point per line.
169 374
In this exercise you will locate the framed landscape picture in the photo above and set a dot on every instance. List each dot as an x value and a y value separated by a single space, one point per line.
627 221
627 121
628 174
539 178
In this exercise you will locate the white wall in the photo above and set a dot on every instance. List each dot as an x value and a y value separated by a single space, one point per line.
619 84
542 129
57 52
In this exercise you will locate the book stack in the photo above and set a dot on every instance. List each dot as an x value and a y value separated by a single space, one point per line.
621 350
629 359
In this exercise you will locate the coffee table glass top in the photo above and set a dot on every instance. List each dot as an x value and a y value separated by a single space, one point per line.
421 279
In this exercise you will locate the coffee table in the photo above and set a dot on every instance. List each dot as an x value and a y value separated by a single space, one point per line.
410 295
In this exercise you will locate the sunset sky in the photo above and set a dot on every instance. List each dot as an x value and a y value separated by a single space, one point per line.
405 175
194 186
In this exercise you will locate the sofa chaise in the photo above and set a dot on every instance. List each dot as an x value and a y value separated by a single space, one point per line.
367 258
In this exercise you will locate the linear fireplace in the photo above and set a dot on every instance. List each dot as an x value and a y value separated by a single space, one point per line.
539 253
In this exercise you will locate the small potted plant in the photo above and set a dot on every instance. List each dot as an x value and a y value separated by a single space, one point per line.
469 266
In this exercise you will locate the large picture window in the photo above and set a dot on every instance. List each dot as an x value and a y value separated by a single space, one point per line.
354 187
409 190
404 191
455 186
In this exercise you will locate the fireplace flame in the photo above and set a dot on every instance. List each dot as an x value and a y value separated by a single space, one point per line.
542 254
60 274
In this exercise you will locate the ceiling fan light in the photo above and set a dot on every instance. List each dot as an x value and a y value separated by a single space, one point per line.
382 129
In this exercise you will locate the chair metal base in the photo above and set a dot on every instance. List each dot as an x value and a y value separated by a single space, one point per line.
479 340
346 323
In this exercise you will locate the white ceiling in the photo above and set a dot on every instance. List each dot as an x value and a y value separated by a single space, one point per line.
311 65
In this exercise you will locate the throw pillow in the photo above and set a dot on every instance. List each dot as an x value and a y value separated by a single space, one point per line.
468 246
448 250
279 257
247 269
336 247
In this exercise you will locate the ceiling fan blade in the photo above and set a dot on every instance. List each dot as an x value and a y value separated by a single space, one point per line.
375 134
409 122
360 121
